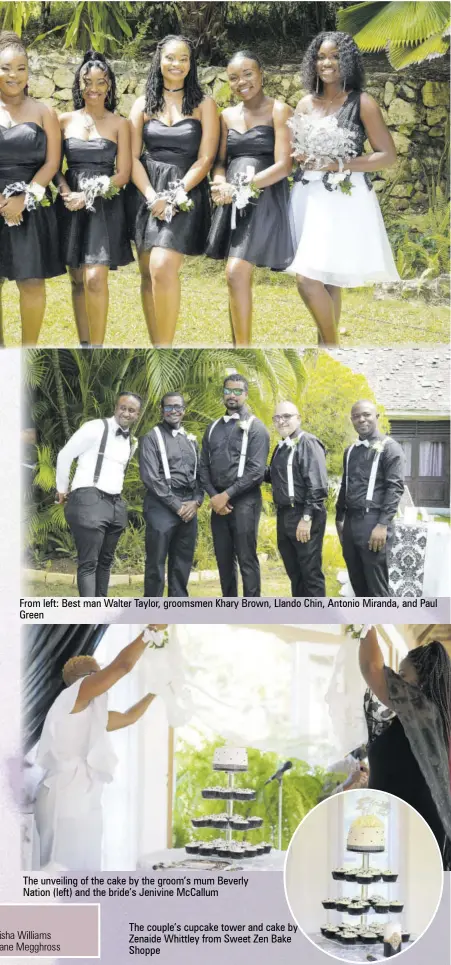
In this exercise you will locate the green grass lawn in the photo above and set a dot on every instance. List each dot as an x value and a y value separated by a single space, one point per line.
274 579
280 317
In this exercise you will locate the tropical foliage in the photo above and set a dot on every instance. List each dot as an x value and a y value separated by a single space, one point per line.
69 387
302 792
215 28
409 32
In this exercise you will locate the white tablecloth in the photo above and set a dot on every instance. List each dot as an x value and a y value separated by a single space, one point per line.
274 861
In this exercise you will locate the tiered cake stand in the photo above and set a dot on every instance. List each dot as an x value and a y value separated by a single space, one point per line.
228 846
359 931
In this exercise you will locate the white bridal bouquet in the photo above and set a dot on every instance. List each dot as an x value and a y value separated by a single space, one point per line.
321 141
176 200
97 186
34 196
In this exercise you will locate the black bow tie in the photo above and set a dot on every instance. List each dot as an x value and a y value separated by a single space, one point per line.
123 432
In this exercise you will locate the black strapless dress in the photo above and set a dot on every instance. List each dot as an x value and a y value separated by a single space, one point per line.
168 154
97 237
31 249
262 235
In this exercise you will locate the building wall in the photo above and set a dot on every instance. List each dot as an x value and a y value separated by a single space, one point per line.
415 105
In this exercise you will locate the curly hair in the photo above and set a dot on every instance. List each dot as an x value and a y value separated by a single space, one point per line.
92 59
433 668
192 91
10 39
351 63
78 667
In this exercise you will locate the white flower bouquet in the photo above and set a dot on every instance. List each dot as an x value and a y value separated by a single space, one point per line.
321 141
97 186
358 631
35 196
176 200
244 192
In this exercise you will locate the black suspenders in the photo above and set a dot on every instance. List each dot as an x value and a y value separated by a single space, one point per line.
101 453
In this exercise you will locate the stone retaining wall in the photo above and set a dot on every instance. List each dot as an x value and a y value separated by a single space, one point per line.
414 105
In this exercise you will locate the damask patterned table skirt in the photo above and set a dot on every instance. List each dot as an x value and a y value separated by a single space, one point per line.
419 559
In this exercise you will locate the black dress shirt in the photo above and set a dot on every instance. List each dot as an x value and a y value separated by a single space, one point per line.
181 458
309 474
389 485
220 457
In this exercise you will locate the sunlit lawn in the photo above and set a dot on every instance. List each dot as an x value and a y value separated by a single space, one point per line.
280 317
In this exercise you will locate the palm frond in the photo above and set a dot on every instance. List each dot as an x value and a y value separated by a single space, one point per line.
397 23
401 57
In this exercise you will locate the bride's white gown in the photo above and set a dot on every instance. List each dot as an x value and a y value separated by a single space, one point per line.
76 754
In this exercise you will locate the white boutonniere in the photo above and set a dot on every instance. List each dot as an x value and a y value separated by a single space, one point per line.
378 446
244 424
191 436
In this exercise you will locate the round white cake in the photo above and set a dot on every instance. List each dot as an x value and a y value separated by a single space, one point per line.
230 759
366 834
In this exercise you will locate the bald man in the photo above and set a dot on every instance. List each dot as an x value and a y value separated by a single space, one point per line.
371 489
298 476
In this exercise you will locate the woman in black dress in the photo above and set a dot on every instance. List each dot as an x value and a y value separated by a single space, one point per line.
96 141
175 134
409 724
254 138
29 154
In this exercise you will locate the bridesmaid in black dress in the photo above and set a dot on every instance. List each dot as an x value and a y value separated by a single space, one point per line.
175 135
254 134
96 141
409 725
29 153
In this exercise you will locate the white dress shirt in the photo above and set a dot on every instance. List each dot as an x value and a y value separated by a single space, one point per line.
84 446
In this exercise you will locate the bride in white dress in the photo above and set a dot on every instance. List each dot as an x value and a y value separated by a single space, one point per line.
338 229
77 757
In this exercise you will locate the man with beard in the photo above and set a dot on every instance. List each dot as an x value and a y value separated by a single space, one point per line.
233 460
371 489
298 477
169 466
95 511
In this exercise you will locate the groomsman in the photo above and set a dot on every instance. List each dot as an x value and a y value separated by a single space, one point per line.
371 489
233 460
298 477
169 466
95 511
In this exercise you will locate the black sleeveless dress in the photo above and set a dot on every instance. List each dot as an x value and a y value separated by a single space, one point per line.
395 769
262 235
31 249
97 237
168 154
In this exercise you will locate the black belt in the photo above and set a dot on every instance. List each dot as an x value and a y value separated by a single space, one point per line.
363 512
299 506
112 496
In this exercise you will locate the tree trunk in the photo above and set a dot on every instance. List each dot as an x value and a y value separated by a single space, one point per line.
60 392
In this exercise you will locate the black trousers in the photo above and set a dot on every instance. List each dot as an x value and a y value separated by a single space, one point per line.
368 571
167 537
96 521
302 561
235 542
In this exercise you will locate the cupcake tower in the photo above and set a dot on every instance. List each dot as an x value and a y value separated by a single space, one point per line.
231 760
366 836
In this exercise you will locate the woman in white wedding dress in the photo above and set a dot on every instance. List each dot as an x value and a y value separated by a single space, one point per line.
338 229
77 757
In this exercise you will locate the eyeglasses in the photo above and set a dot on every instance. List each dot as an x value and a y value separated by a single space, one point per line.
234 391
285 417
173 408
